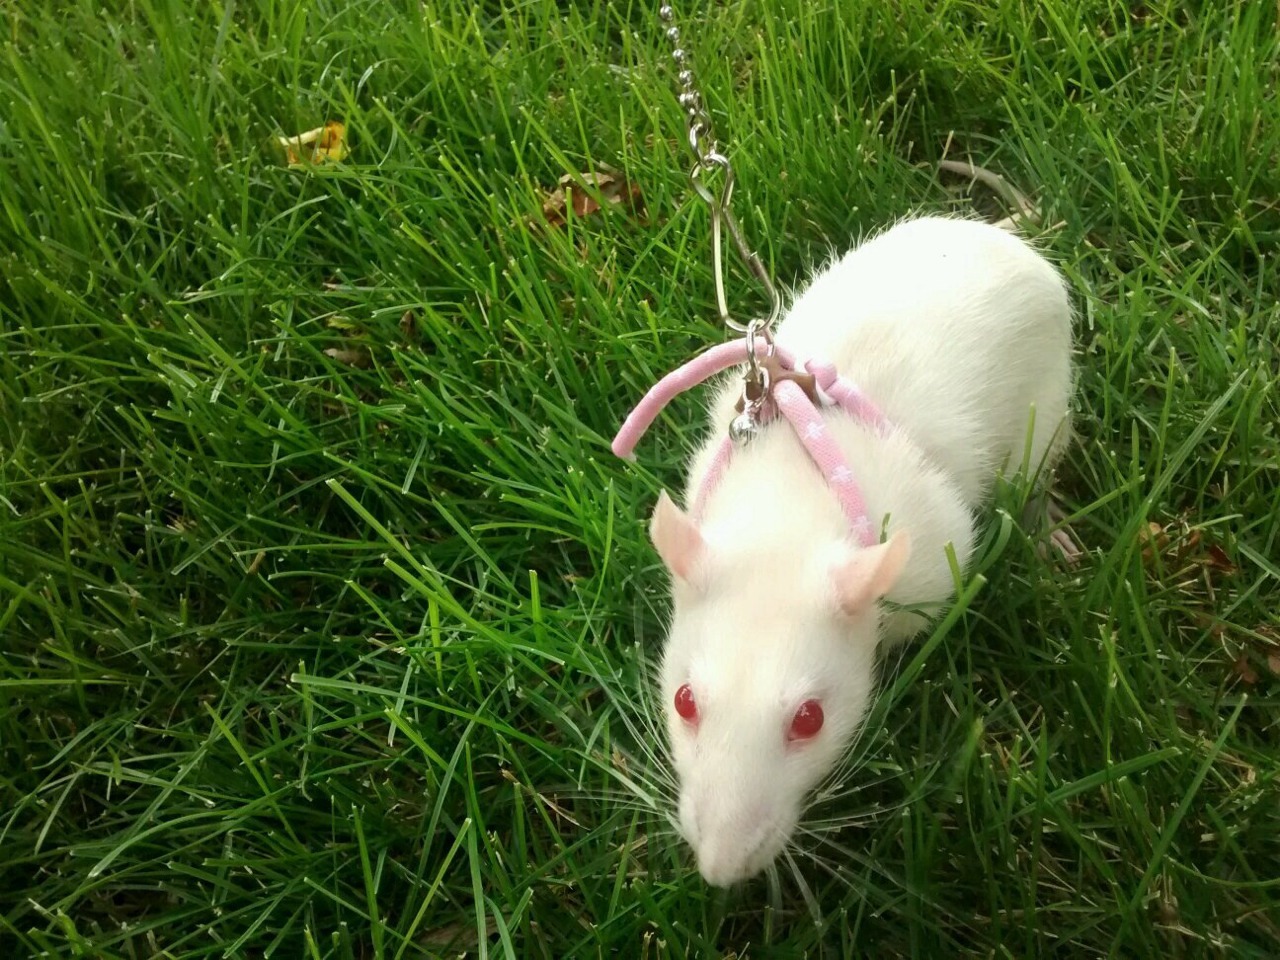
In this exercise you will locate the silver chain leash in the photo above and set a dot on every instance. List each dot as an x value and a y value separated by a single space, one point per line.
707 157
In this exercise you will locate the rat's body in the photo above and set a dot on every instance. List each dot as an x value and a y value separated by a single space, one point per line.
957 331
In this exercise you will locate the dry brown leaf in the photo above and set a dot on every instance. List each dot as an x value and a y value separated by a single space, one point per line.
1267 644
352 358
1153 539
1215 627
612 187
1273 663
327 143
1011 196
1243 669
1181 543
1219 560
459 935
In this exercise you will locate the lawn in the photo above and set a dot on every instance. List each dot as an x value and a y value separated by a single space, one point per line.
326 610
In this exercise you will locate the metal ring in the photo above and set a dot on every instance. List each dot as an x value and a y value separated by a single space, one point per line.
704 163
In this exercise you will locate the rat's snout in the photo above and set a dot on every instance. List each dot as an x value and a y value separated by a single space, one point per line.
726 860
731 843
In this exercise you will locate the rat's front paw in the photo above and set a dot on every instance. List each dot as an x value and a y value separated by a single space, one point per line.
1043 513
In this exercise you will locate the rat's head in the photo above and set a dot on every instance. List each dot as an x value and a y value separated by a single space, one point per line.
766 675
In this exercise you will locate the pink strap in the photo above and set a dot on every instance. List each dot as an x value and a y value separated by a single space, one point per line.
791 401
702 367
712 480
848 397
828 456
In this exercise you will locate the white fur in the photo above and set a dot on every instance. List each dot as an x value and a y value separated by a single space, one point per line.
957 330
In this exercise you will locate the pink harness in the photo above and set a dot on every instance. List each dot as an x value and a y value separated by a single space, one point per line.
787 398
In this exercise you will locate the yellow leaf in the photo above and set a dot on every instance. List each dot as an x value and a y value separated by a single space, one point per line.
352 358
326 143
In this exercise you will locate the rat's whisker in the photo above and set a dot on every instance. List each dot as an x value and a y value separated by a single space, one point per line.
636 718
838 789
815 911
810 853
774 883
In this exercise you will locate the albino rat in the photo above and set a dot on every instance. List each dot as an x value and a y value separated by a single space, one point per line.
959 332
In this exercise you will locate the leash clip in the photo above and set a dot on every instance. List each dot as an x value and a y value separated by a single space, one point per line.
745 427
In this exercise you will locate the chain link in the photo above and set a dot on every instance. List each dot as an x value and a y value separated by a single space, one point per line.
707 159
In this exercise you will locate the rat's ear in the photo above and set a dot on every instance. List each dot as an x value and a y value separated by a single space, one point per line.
676 538
869 574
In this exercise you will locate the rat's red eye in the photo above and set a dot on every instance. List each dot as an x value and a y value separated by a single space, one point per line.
686 706
807 721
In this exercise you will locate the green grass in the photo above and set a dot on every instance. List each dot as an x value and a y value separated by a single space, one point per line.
310 659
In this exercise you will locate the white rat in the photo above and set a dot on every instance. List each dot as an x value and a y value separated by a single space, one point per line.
961 334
